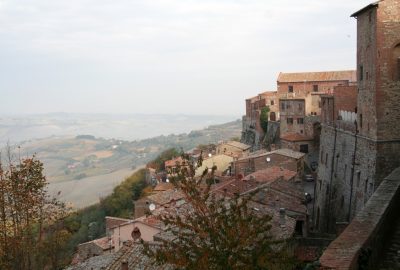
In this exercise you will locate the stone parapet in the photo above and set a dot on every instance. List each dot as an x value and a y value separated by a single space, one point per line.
361 244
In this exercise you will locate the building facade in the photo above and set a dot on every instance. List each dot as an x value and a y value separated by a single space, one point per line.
360 140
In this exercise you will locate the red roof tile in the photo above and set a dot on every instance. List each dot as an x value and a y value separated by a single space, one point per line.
174 162
342 75
271 174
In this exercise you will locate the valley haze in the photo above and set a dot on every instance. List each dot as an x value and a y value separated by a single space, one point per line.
86 155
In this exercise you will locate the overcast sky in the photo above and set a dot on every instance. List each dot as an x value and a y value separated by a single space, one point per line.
163 56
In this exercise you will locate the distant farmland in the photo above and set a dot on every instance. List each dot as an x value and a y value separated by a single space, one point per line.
87 191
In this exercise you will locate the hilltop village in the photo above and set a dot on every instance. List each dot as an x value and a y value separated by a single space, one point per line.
321 151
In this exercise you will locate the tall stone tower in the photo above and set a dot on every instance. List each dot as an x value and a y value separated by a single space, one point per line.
357 153
378 68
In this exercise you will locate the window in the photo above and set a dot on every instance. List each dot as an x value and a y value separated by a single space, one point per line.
300 121
358 178
283 106
396 63
326 159
315 87
290 121
272 102
304 148
290 89
361 72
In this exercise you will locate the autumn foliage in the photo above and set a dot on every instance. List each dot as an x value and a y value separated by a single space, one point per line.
31 231
216 232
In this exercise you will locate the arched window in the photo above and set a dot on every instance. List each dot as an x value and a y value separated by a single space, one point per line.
396 63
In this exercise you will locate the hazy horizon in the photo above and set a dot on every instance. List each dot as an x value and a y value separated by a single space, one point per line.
129 127
164 56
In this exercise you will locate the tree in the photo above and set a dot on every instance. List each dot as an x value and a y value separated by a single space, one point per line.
215 232
264 118
26 215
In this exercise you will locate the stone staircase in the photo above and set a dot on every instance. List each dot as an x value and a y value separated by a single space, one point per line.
391 258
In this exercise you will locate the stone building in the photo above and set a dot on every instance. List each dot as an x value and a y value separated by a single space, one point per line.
233 148
261 160
296 106
360 139
252 132
300 107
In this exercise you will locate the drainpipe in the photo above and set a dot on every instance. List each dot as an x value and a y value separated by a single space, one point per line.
353 163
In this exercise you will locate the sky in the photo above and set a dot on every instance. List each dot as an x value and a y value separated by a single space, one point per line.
163 56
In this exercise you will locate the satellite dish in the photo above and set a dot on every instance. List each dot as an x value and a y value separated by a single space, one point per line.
152 207
268 159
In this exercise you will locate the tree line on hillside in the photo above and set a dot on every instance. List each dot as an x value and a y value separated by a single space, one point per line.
40 232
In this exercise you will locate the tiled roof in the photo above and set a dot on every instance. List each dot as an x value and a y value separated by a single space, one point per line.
279 230
163 186
165 197
238 145
105 243
271 174
235 186
289 153
295 137
278 197
112 222
133 254
269 93
282 151
94 263
342 75
174 162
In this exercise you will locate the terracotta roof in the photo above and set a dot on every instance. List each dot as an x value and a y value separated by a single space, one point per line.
282 151
104 243
277 197
295 137
374 4
271 174
165 197
235 186
238 145
289 153
112 222
279 230
174 162
133 254
343 75
269 93
163 186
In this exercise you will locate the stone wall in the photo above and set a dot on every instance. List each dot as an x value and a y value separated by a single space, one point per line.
344 182
361 244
